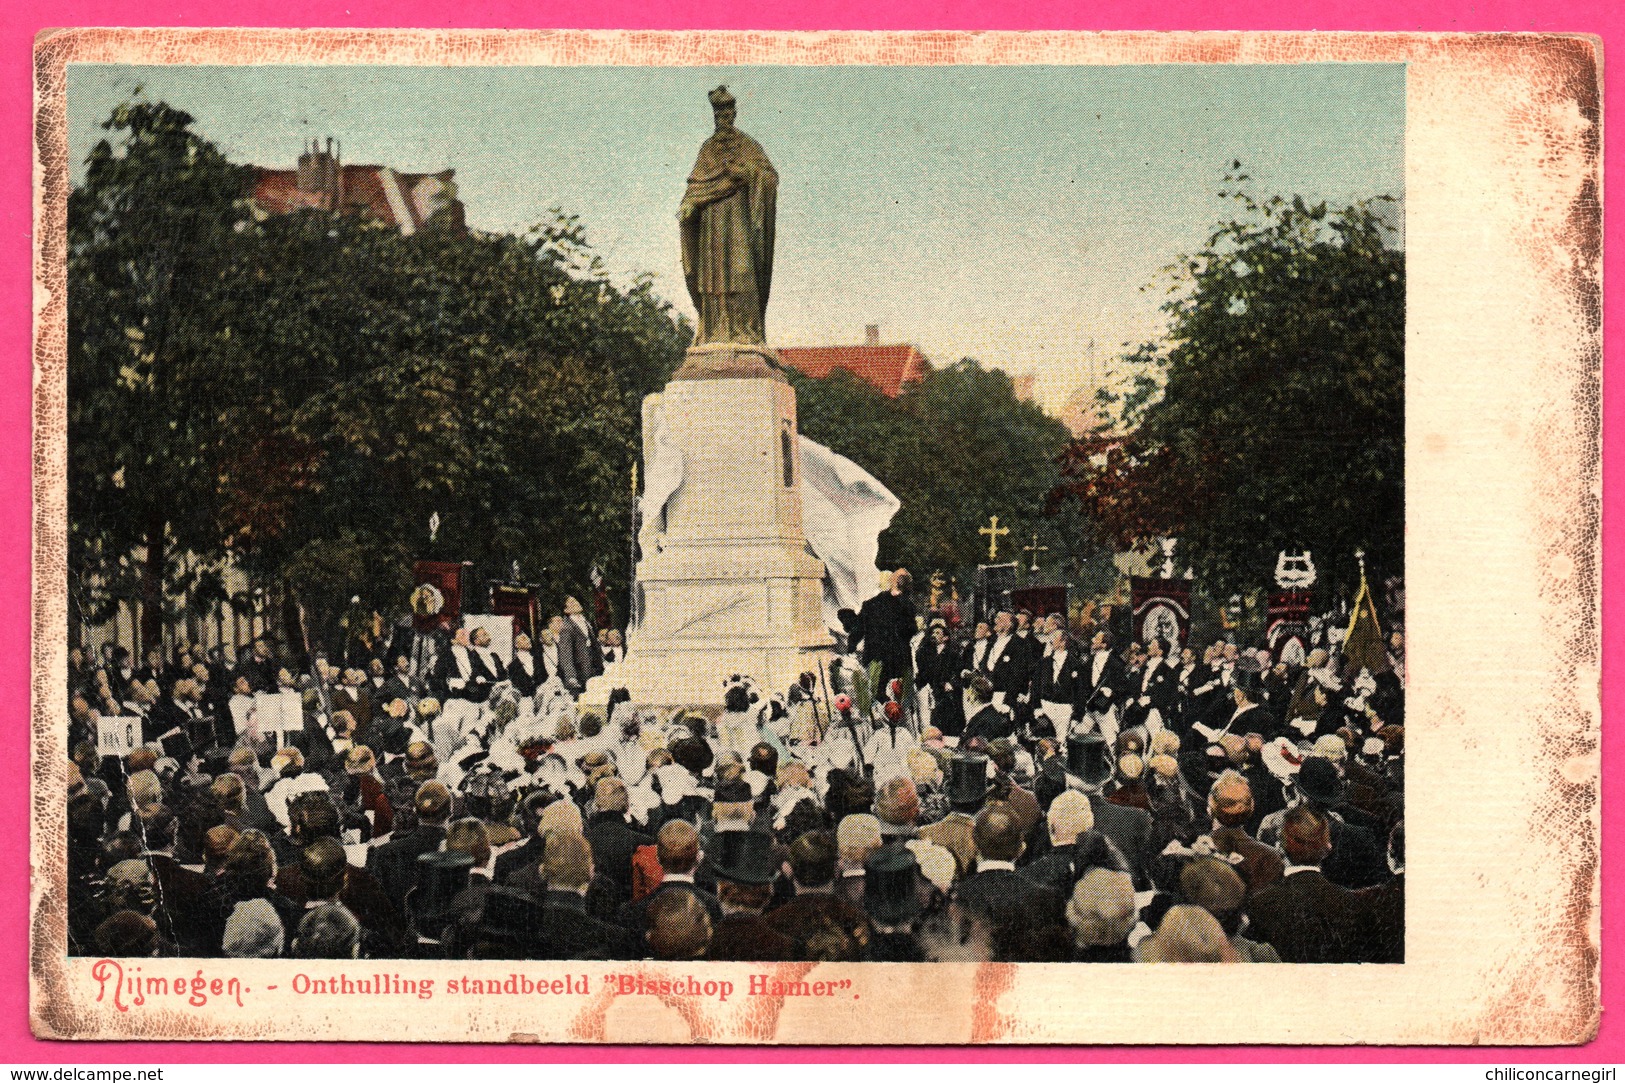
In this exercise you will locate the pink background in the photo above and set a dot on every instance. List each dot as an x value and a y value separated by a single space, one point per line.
22 19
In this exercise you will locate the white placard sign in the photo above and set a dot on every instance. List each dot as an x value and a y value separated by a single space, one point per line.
279 711
117 736
242 709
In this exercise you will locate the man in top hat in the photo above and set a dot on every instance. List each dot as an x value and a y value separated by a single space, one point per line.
744 867
966 792
1306 918
1021 914
893 891
1129 829
1356 858
1239 711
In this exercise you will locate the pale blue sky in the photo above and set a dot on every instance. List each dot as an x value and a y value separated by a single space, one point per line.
1006 213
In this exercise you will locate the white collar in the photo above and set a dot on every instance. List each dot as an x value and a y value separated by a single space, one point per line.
677 878
988 865
1293 870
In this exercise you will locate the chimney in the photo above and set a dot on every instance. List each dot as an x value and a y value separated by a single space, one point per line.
871 334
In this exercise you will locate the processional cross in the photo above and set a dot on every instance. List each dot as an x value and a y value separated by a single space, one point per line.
994 532
1035 549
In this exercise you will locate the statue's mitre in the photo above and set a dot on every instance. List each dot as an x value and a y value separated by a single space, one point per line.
720 97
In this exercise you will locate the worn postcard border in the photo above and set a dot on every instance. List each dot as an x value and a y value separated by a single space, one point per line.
1503 178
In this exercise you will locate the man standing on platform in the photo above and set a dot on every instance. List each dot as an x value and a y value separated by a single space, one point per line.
579 660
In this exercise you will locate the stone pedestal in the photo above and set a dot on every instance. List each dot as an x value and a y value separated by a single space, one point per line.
726 583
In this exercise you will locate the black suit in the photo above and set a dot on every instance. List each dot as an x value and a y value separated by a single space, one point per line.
261 673
613 842
1050 687
1160 691
1008 668
1383 913
1062 867
1357 860
885 629
635 915
938 668
524 681
1021 913
395 863
527 856
1109 691
1128 829
1308 919
568 932
968 662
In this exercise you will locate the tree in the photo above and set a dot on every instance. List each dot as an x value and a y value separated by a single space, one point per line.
1272 416
299 393
954 448
484 379
148 243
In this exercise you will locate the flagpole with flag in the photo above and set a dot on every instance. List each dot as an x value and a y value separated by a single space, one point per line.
1363 645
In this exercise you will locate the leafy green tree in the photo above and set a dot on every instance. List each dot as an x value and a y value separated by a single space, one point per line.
954 448
299 393
483 379
1272 416
148 248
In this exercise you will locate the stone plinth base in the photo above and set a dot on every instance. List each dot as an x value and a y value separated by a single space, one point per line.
726 584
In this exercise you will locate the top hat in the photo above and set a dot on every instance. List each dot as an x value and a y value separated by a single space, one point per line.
1319 781
891 885
1086 758
743 857
967 780
1050 783
441 875
1250 681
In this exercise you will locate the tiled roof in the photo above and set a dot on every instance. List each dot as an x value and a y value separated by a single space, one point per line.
886 367
364 190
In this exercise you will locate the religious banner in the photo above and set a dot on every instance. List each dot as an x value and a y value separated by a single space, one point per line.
1287 631
437 594
518 602
1039 601
994 582
1162 609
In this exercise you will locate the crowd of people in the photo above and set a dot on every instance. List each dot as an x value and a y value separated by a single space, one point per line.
1029 792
